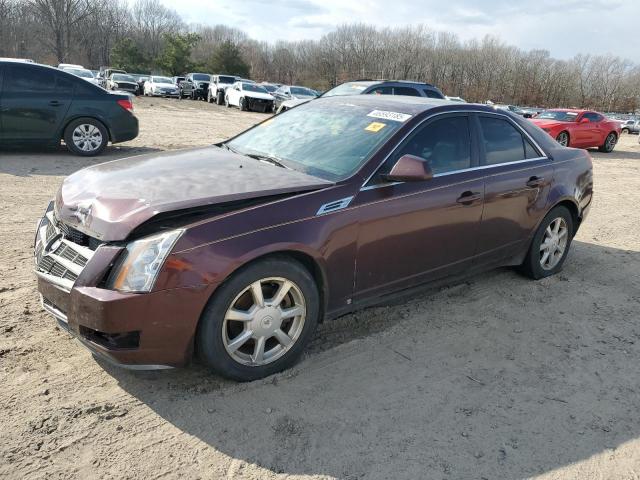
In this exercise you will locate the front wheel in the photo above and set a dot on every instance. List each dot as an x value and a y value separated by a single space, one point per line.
550 244
625 131
220 98
260 320
242 104
86 137
563 139
609 143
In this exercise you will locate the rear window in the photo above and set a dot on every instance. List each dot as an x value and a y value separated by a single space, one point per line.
225 79
201 77
433 93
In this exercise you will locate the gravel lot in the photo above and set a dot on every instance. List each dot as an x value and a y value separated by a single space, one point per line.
497 377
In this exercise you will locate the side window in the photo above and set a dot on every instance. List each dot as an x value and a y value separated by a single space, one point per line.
29 80
381 91
64 85
444 143
411 92
503 143
432 94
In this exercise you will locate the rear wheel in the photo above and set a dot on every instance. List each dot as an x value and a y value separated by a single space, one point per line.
563 139
220 98
625 131
242 104
86 137
609 143
260 320
550 244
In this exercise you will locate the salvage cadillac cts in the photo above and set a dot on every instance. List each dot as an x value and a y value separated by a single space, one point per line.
237 251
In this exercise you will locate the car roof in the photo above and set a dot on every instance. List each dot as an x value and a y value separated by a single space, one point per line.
369 82
404 104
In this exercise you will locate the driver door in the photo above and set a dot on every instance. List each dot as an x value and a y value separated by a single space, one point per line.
415 232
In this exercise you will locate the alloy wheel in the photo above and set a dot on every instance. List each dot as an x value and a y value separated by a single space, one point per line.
264 321
87 137
554 243
563 139
610 143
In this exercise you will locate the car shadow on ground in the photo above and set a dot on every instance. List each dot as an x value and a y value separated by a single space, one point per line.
497 376
57 160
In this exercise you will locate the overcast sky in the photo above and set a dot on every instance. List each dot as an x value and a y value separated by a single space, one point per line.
563 27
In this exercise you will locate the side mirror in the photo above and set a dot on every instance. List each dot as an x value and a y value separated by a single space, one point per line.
409 168
585 120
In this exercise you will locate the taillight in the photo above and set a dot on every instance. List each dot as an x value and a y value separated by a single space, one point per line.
126 104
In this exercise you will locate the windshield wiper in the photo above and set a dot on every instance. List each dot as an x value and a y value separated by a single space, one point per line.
268 159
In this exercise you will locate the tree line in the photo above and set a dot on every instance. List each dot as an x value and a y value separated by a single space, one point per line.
147 37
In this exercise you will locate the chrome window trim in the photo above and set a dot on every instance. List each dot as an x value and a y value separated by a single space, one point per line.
365 187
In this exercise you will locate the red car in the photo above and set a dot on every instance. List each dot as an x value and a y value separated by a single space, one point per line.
579 128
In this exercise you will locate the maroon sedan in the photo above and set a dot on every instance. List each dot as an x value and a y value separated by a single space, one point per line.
237 251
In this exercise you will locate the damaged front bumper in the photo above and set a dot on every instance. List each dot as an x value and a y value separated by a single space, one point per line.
132 330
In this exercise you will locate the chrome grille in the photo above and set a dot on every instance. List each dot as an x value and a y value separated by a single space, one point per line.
65 259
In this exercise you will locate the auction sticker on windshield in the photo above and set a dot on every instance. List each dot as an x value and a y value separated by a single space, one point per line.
375 127
395 116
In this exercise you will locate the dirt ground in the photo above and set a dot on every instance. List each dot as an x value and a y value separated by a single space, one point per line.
497 378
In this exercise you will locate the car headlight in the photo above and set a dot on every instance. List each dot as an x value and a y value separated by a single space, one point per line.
115 84
142 261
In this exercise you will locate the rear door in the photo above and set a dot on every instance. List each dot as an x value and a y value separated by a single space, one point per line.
517 183
34 103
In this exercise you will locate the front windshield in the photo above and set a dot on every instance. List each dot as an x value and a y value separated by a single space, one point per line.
269 88
351 88
250 87
329 140
558 115
80 73
118 77
162 80
302 91
201 77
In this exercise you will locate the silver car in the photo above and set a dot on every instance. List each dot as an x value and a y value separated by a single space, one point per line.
630 126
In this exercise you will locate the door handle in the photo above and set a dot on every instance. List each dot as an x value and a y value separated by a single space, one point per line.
468 197
55 103
535 182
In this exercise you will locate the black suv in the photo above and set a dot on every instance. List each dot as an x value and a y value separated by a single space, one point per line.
373 87
386 87
40 105
195 86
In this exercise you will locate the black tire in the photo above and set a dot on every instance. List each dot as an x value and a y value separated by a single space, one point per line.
73 148
609 143
220 98
531 266
209 337
242 105
625 131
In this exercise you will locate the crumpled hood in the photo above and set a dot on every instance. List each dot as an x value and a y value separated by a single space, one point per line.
107 201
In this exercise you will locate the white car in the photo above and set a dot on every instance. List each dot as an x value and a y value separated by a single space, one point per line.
83 73
64 66
161 87
249 96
